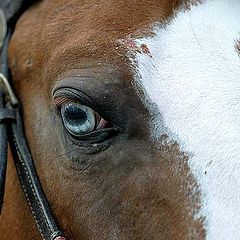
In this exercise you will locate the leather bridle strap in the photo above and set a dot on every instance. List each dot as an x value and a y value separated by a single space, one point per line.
11 130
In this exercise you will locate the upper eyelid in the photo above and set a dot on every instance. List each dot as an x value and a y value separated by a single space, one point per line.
72 94
61 100
68 94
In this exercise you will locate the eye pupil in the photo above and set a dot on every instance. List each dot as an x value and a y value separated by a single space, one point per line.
78 119
75 116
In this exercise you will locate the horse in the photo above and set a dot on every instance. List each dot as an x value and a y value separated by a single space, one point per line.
131 114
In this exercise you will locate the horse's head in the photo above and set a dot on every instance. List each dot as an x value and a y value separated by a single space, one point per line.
131 112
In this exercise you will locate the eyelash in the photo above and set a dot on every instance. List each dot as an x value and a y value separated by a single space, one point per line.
104 129
61 100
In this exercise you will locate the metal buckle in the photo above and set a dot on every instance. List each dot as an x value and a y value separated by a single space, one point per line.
5 86
3 27
4 83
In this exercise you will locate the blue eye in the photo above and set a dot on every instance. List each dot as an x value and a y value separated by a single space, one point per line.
78 119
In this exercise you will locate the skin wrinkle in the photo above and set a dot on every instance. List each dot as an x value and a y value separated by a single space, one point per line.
136 188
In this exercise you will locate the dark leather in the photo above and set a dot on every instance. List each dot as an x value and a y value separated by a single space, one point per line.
3 123
11 130
3 153
7 114
30 182
14 8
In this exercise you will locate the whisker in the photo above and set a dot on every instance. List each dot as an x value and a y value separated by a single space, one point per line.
62 154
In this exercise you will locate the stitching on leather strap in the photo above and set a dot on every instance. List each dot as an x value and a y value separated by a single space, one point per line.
32 188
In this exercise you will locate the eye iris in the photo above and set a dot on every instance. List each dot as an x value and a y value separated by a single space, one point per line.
78 119
75 116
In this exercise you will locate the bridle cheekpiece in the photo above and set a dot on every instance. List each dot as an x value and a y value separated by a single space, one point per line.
11 131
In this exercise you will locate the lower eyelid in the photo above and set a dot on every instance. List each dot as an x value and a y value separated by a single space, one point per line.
95 136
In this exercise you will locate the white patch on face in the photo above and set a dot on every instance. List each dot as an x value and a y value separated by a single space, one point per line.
193 80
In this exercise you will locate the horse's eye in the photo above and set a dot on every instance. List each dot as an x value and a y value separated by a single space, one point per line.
78 119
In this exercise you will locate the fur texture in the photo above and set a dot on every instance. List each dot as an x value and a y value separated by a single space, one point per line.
191 82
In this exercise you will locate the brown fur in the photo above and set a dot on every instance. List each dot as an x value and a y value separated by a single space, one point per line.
133 189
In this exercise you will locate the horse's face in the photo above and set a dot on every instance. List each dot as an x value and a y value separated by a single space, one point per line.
154 155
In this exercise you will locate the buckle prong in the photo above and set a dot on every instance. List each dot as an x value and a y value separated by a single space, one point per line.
5 86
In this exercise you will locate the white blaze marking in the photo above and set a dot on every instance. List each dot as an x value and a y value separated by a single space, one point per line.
193 78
